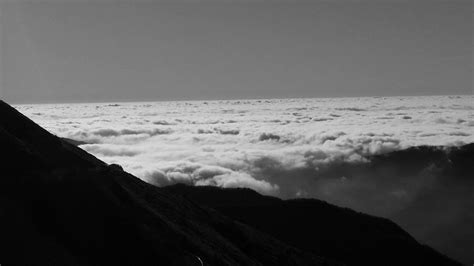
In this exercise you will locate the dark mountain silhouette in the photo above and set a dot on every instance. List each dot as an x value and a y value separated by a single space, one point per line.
312 225
62 206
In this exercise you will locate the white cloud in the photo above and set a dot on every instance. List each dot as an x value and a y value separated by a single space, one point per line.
202 175
277 147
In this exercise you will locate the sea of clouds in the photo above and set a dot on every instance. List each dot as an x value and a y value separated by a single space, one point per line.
277 147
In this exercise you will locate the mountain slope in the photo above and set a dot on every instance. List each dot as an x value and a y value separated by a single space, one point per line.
62 206
312 225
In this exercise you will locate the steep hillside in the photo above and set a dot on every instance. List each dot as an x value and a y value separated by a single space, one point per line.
62 206
312 225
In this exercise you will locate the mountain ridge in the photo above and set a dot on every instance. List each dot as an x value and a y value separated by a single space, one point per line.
310 219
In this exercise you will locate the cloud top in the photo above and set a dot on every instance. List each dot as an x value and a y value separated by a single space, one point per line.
280 147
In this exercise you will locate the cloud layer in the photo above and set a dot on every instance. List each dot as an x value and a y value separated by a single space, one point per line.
277 147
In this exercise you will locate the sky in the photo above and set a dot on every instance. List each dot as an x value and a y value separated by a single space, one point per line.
85 51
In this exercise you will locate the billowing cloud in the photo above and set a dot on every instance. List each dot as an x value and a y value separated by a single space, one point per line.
287 148
205 175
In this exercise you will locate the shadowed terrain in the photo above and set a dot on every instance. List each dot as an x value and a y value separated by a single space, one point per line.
61 206
312 225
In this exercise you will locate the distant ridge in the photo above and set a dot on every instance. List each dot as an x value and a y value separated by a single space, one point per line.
62 206
312 225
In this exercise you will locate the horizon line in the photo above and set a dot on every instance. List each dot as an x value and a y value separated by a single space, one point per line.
223 99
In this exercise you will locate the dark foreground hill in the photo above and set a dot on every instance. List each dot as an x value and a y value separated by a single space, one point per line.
61 206
312 225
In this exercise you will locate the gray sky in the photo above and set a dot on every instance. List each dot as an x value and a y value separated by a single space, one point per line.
80 51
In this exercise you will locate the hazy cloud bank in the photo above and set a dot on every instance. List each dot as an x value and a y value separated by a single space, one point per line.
287 148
